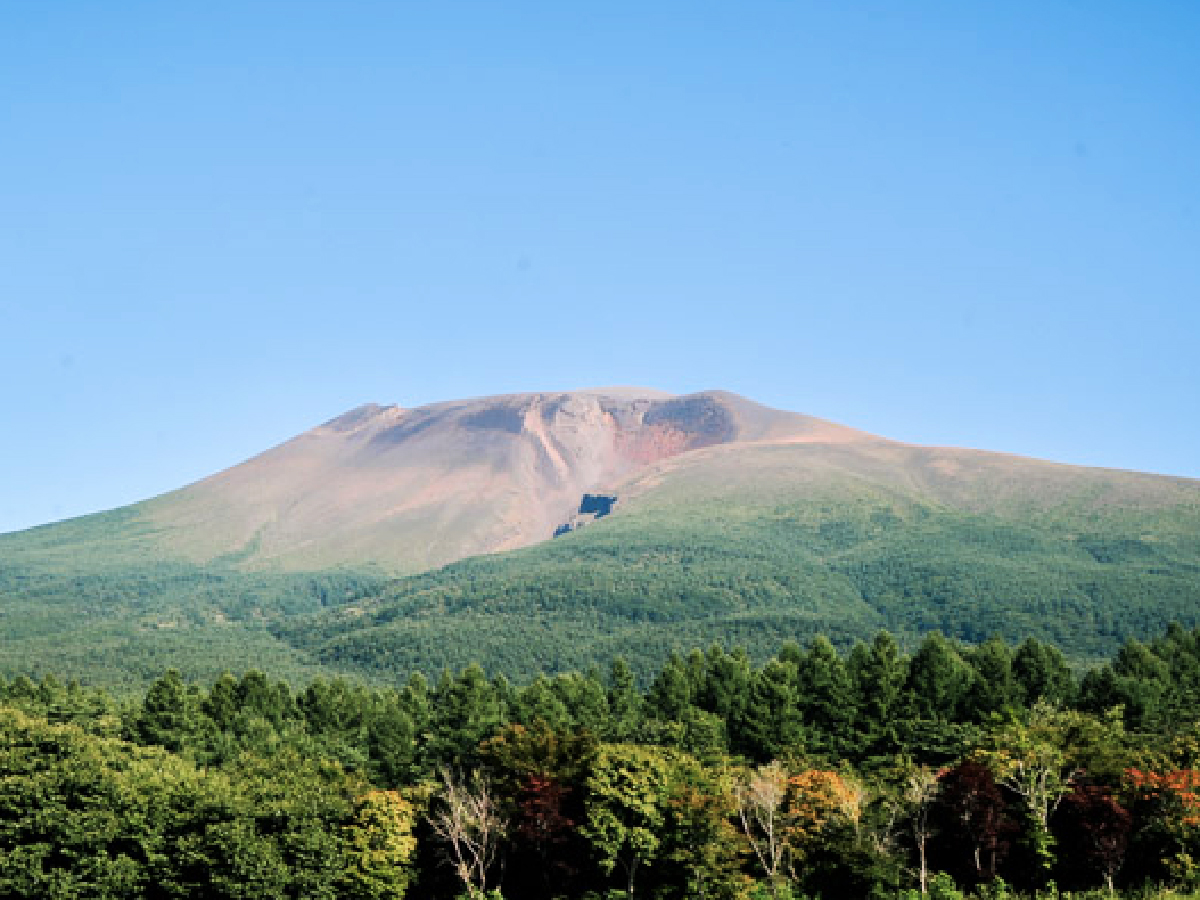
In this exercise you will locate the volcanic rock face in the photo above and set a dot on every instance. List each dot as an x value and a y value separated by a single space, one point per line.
411 489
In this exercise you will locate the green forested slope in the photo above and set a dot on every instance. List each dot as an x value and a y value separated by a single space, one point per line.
776 543
124 626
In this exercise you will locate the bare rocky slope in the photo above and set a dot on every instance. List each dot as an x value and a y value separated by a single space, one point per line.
393 490
405 490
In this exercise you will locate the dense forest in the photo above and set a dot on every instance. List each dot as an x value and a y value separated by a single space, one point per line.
986 770
649 582
122 628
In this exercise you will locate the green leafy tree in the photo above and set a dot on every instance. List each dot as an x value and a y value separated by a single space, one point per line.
585 699
392 743
701 839
221 703
1030 756
417 704
627 797
726 688
539 701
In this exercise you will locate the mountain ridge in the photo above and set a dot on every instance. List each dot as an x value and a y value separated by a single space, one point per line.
404 490
399 490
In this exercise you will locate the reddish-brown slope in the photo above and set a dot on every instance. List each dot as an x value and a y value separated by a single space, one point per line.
411 489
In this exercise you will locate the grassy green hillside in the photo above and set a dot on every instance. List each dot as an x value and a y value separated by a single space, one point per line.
755 545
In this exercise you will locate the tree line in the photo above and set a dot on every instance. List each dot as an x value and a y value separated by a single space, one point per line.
876 773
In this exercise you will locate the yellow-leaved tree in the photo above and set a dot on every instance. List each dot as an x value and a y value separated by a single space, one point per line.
379 846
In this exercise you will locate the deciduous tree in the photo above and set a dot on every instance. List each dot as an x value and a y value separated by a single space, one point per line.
466 818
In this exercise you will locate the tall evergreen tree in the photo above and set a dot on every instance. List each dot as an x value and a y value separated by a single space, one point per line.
1042 673
993 688
624 702
877 677
726 688
937 679
825 697
671 692
166 717
772 725
466 711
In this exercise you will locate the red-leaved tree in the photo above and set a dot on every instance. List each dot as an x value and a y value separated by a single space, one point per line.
973 822
1093 832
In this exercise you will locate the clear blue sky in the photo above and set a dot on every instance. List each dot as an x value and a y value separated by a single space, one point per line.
221 223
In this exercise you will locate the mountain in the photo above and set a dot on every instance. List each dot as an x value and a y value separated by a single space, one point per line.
682 521
396 490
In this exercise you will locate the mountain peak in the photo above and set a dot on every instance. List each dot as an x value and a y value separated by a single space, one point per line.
408 489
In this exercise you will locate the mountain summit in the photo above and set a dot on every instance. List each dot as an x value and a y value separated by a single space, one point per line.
392 490
409 489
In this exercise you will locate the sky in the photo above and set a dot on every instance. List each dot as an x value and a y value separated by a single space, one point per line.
222 223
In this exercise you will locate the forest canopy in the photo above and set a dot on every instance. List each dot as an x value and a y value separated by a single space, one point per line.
871 773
